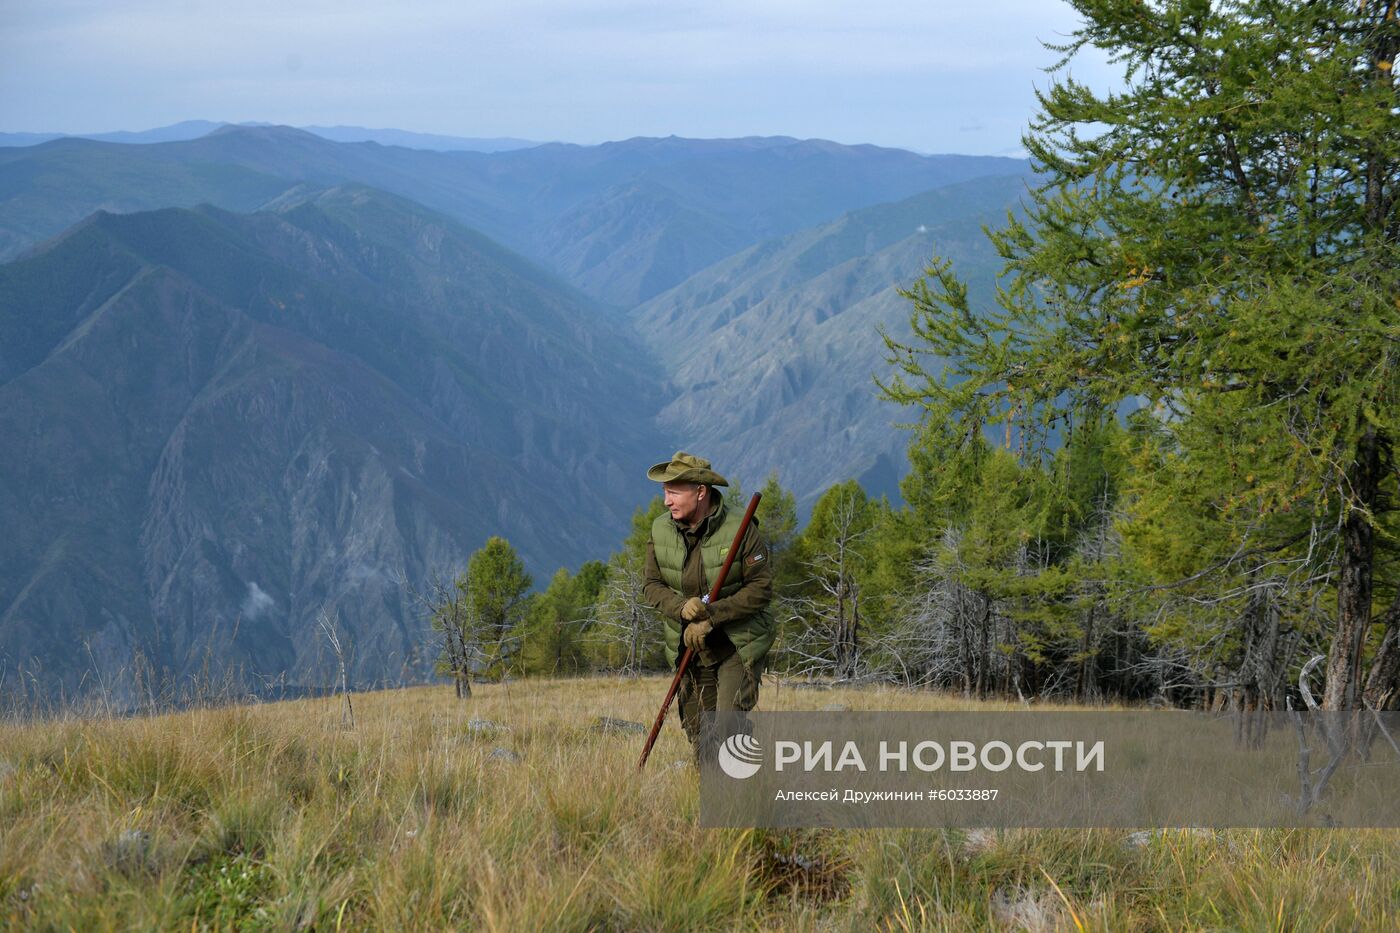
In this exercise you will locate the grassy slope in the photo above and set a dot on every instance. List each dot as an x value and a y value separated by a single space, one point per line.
276 817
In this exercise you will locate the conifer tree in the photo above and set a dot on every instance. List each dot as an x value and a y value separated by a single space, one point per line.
552 643
497 593
1219 240
832 555
777 516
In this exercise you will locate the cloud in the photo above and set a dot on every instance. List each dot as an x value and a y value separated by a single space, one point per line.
256 603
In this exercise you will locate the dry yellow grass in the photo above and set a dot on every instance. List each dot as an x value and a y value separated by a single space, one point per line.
275 817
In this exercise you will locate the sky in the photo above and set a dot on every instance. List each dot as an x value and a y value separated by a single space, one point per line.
932 76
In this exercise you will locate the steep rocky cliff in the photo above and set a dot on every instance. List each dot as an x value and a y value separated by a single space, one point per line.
218 426
773 351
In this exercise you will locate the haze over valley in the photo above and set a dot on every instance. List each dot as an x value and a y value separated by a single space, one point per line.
257 373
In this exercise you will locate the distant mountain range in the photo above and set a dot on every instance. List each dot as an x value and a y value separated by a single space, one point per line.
219 424
623 221
193 129
257 374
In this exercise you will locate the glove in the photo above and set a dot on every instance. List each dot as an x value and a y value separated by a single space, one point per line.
695 632
694 608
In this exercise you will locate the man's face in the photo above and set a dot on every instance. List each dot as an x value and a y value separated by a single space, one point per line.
685 500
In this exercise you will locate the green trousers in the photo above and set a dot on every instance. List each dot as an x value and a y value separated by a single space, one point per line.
727 687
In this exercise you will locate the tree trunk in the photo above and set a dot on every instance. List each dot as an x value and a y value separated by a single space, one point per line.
840 625
964 639
1383 684
634 651
1260 675
985 649
1354 587
853 632
1082 688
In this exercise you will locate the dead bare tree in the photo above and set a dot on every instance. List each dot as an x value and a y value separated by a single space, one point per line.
827 640
451 611
448 611
1312 784
623 620
930 644
327 626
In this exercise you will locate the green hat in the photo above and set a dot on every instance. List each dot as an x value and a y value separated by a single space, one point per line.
685 468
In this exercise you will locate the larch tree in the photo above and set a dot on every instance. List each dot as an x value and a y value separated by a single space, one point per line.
497 589
1218 242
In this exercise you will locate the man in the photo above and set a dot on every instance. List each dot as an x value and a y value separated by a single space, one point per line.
730 636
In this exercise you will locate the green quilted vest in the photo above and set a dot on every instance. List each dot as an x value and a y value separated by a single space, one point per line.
752 636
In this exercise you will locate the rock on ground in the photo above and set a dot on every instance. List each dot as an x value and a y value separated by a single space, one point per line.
611 726
978 842
130 853
1018 908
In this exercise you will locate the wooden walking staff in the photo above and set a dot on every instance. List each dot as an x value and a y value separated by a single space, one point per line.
685 658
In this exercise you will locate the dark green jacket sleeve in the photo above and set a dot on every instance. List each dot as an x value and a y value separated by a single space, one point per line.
757 591
657 594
